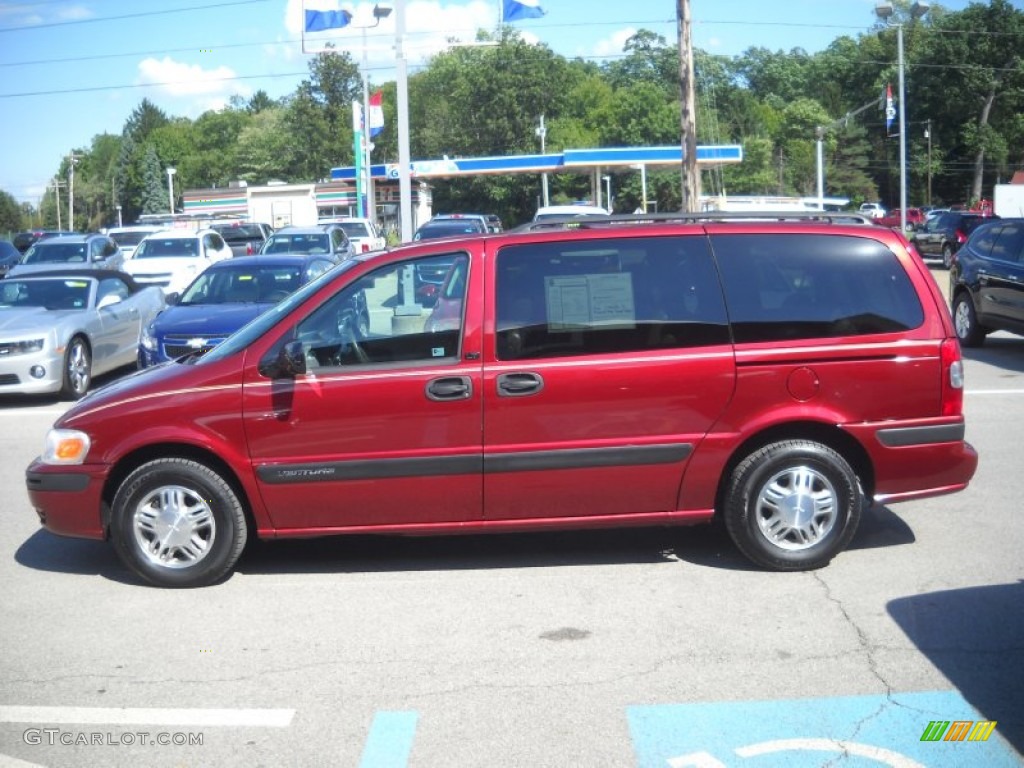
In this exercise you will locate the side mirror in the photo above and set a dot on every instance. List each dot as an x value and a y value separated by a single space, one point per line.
289 363
172 298
108 301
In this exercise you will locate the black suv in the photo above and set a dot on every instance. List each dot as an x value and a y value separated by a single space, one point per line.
25 240
943 235
986 282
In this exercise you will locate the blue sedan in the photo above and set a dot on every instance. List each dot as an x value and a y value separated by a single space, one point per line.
222 299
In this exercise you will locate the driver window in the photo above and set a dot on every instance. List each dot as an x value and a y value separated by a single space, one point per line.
397 313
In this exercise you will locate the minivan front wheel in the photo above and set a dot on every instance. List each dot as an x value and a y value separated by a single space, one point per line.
177 523
792 505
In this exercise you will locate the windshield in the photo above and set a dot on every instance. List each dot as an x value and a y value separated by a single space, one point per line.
233 285
247 334
295 243
49 293
53 252
162 247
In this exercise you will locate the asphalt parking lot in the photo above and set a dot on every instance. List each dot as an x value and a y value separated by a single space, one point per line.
601 648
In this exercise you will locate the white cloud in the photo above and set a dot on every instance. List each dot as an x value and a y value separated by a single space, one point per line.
203 89
612 46
74 13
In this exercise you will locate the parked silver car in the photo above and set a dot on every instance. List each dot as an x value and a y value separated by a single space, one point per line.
58 329
72 251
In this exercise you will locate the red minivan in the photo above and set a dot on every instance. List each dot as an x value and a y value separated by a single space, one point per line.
777 374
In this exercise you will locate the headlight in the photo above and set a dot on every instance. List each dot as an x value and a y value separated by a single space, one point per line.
23 347
65 446
148 339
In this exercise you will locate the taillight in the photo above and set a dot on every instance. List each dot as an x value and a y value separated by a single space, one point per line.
952 378
960 237
249 250
366 247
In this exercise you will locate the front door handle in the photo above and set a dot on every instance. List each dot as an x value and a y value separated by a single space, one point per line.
450 388
519 384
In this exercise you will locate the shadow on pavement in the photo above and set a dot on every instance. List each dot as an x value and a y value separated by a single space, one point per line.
975 637
701 545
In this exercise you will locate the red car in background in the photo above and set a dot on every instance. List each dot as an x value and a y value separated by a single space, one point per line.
915 219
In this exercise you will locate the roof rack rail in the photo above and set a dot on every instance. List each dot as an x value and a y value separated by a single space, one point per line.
600 222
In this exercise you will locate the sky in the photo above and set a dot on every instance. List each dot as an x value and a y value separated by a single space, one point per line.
72 69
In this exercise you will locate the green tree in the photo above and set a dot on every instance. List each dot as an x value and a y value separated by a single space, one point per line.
262 153
11 219
154 193
973 87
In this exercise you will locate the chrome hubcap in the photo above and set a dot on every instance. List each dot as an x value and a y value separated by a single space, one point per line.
796 508
78 368
174 526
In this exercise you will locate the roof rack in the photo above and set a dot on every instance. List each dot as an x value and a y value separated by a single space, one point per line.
601 222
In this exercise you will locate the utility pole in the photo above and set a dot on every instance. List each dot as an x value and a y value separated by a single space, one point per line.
688 123
71 192
928 135
55 186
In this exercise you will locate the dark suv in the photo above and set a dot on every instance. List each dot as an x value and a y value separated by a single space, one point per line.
986 282
25 240
627 371
942 235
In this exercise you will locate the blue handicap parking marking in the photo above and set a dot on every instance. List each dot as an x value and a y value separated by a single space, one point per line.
390 740
904 730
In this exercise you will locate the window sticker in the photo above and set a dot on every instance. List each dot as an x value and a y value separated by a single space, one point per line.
581 301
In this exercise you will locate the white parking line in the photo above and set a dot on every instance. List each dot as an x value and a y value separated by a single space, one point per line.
31 411
252 718
994 391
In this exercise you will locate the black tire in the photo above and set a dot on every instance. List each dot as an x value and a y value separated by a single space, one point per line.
149 508
947 255
76 373
965 321
793 505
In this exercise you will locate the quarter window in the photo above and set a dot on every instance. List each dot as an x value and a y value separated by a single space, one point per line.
582 297
786 287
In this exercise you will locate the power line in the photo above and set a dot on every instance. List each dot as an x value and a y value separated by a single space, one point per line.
128 16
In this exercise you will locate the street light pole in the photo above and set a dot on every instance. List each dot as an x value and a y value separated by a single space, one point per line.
367 198
884 11
542 131
404 179
170 187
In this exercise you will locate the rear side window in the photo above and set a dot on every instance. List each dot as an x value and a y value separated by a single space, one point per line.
787 286
1008 242
583 297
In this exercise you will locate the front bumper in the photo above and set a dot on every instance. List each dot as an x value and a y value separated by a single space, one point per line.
18 373
68 500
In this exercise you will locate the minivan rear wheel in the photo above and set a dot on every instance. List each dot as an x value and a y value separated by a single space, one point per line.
792 505
177 523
